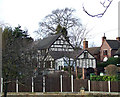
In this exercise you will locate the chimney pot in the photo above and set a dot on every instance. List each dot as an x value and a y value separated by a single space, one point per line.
103 38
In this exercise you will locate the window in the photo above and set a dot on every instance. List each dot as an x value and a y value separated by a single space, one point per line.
105 52
43 51
85 55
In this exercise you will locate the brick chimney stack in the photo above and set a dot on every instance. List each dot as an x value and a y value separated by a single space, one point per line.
103 38
85 44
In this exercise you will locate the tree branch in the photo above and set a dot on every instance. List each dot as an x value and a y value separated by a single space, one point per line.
100 14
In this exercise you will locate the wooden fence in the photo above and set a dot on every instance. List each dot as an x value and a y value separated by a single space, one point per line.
60 84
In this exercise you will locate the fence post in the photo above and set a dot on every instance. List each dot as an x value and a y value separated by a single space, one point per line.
72 83
61 83
32 84
43 83
89 85
108 86
1 85
17 85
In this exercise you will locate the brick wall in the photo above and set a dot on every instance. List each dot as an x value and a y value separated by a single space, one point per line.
105 46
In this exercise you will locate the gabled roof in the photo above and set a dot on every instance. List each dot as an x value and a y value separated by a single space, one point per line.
94 50
69 54
117 52
60 54
114 44
82 51
77 53
72 54
47 42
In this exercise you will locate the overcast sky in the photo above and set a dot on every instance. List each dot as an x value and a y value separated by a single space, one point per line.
28 13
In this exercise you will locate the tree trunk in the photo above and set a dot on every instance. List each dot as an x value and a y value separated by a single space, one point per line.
76 70
6 86
5 89
69 68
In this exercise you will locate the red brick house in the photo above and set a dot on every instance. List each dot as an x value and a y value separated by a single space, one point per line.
109 48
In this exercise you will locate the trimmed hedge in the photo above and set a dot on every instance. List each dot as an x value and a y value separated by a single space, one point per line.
104 78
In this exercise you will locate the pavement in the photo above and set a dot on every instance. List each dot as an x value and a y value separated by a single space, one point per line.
64 93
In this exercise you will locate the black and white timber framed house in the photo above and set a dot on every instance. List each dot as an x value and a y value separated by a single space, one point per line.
55 51
52 48
85 59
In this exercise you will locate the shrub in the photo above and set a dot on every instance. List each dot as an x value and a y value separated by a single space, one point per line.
104 78
110 60
111 70
102 65
113 60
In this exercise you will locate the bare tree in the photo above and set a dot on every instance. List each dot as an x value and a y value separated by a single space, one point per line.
77 35
63 17
106 4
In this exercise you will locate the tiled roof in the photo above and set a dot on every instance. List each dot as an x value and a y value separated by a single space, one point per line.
118 52
59 54
47 42
77 53
94 50
114 44
69 54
